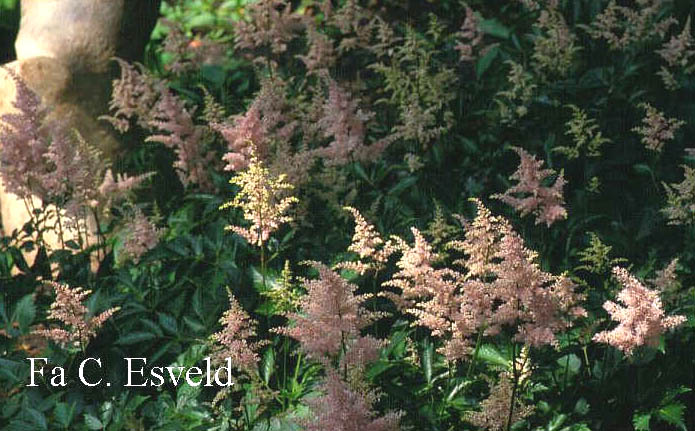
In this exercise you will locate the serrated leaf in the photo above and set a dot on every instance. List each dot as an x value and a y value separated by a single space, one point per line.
377 368
494 28
24 312
268 365
673 414
63 414
490 355
641 421
135 337
92 422
485 61
167 322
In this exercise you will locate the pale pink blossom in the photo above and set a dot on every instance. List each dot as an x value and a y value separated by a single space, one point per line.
79 327
530 195
331 316
341 408
640 316
234 341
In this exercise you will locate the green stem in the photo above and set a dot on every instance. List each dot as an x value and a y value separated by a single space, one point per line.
514 389
475 352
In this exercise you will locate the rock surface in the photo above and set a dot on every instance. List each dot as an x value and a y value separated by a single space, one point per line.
64 51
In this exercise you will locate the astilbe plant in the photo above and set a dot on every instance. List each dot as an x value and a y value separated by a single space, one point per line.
43 158
373 251
341 408
656 129
623 26
502 408
141 235
69 309
497 283
470 36
139 96
554 48
235 339
265 122
263 201
678 53
328 327
680 207
345 123
513 103
641 318
331 319
24 141
545 202
585 135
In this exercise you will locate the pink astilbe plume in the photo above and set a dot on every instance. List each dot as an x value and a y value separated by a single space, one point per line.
117 188
656 129
69 309
341 408
234 341
75 169
321 55
666 279
177 131
440 299
331 316
133 96
621 26
372 250
265 121
494 414
500 285
415 271
546 203
141 236
679 49
140 96
539 303
270 25
24 141
481 245
344 122
469 37
641 318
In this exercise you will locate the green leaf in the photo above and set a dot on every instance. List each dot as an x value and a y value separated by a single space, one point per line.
582 407
167 322
134 338
268 365
378 368
556 422
641 421
571 362
404 184
490 355
485 61
25 312
426 359
673 414
64 414
494 28
92 422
